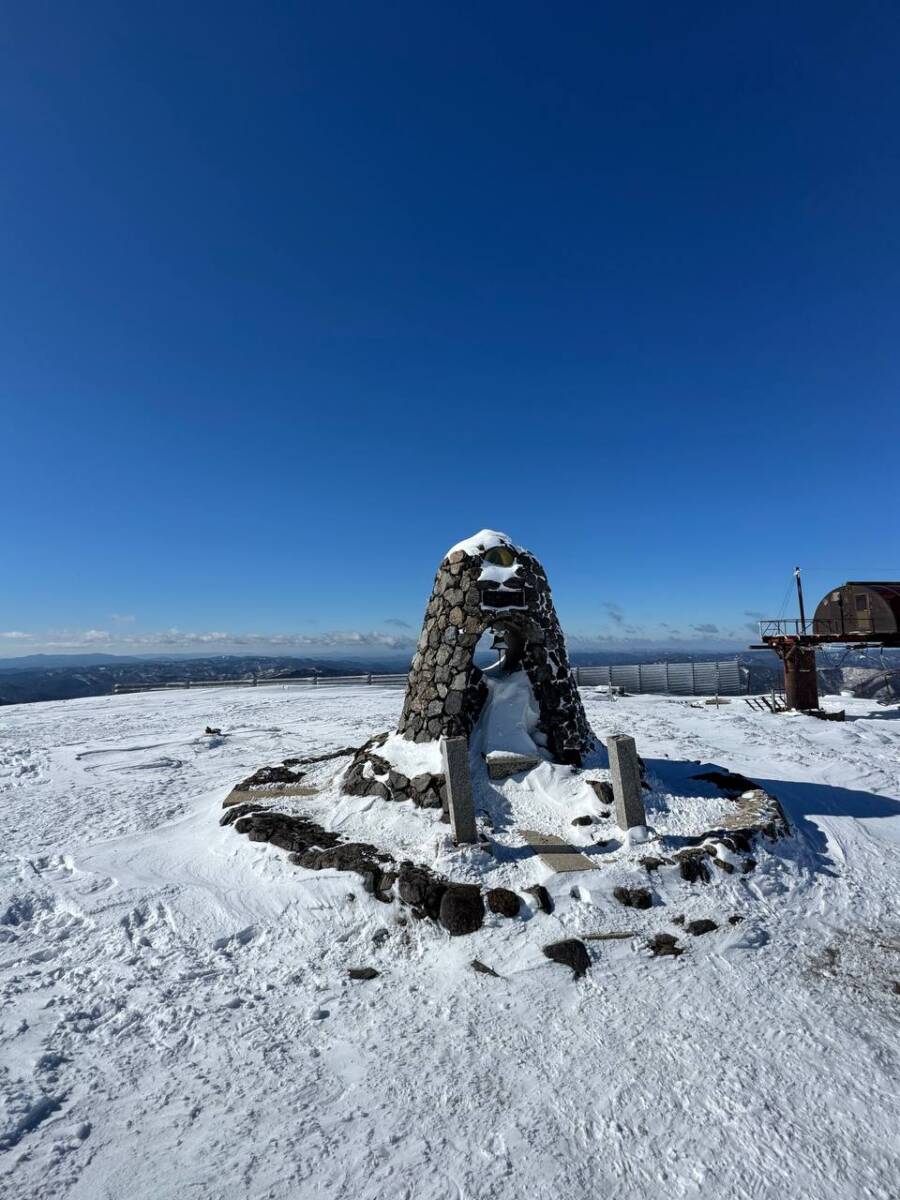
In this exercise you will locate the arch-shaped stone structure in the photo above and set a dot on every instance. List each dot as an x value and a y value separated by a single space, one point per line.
487 582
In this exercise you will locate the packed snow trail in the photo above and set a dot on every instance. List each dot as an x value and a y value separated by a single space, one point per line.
177 1018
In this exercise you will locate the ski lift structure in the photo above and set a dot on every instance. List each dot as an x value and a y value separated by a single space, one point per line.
860 614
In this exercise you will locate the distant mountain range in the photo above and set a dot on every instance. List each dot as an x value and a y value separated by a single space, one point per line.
36 677
66 677
42 662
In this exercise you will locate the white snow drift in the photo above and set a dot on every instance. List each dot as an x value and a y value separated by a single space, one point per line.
177 1019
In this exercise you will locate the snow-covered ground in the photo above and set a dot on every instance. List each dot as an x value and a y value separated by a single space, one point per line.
177 1019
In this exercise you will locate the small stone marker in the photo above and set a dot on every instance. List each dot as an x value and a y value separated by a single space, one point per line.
455 757
626 781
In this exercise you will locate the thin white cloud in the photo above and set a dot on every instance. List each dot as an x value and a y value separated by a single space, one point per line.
14 634
123 618
337 642
222 640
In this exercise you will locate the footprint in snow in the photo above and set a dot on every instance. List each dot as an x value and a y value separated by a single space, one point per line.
146 926
59 869
234 941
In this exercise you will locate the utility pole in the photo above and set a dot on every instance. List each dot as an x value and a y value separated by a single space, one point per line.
801 689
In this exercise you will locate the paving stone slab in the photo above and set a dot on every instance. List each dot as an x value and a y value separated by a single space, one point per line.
557 854
271 792
501 765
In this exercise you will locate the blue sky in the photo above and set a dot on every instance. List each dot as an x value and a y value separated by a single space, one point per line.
293 297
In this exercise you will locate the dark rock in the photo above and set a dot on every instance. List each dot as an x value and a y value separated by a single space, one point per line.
723 864
360 857
637 897
462 909
377 788
649 863
602 790
692 864
585 820
664 943
380 936
735 919
362 973
384 886
270 775
430 798
679 920
421 890
287 832
540 893
371 875
503 901
212 732
748 865
354 783
482 969
739 840
237 811
571 953
696 928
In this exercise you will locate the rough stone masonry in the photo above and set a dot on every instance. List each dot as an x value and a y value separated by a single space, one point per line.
485 582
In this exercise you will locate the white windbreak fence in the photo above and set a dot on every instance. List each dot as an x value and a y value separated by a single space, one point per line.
678 679
306 681
722 677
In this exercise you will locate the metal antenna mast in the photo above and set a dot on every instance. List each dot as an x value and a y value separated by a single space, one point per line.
800 598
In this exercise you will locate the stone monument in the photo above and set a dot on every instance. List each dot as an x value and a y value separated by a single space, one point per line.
483 583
